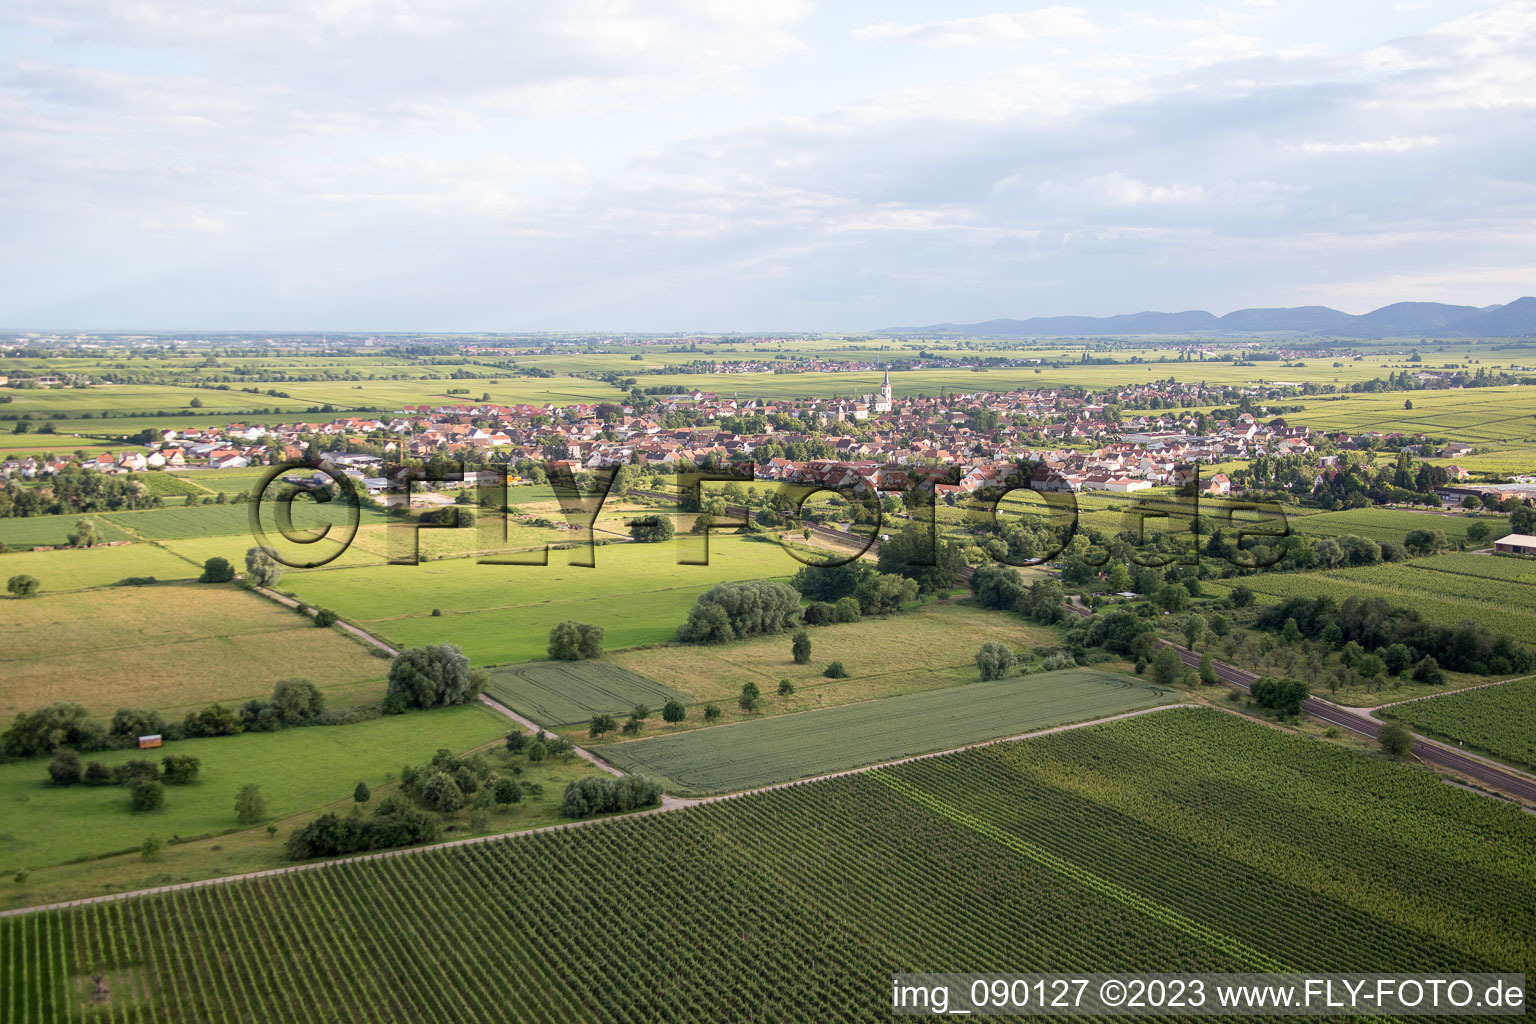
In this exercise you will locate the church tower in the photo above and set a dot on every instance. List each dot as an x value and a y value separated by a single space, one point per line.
885 404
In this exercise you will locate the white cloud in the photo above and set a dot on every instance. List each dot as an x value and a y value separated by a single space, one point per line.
1395 144
990 29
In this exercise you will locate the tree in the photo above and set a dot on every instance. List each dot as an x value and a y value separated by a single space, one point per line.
918 554
599 725
325 618
673 711
650 529
217 570
22 585
261 569
536 751
433 676
250 805
1167 669
297 701
997 586
1172 597
1194 629
441 793
711 712
1396 738
800 647
786 688
575 641
361 793
749 696
146 795
506 791
1290 633
151 848
1208 675
1523 519
1428 671
835 671
1219 625
84 535
1478 532
65 769
730 611
1241 596
47 729
994 660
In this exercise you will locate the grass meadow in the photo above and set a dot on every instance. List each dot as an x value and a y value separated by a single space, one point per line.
171 647
296 769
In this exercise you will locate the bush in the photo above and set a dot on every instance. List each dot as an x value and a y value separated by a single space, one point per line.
597 794
517 741
97 774
393 823
325 618
536 751
217 570
261 569
214 720
146 795
575 641
151 848
131 772
180 769
786 688
432 676
250 805
128 723
1284 697
1428 671
48 729
673 711
835 671
361 794
711 712
65 769
23 585
800 647
441 793
748 698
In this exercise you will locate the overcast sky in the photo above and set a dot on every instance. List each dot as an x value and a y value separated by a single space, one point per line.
712 165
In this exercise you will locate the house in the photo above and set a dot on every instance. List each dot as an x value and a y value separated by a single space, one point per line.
1516 544
1217 485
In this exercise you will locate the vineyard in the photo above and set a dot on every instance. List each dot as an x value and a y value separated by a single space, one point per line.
1391 524
1176 841
767 750
1497 720
565 692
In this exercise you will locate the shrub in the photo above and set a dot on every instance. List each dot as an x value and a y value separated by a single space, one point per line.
97 774
47 729
146 795
786 688
1396 738
361 794
748 698
711 712
800 647
835 671
128 723
1428 671
22 585
325 618
65 769
650 529
180 769
261 569
536 751
507 791
250 805
731 611
217 570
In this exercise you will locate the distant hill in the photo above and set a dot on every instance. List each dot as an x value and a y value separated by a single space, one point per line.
1401 319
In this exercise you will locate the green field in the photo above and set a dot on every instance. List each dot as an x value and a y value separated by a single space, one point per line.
565 692
503 613
777 749
76 569
1497 720
295 768
232 520
1477 416
51 531
1179 841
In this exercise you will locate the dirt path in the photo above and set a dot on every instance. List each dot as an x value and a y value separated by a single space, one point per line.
668 804
342 624
535 728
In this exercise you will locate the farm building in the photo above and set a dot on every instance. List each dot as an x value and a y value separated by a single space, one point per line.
1516 544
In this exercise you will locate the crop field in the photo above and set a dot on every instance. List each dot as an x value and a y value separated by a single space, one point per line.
51 531
883 656
46 824
503 613
1171 842
777 749
393 394
230 520
565 692
1497 720
1392 524
78 569
141 397
169 647
1485 567
1440 598
1475 415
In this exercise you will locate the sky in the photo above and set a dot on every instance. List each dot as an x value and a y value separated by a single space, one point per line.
761 166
